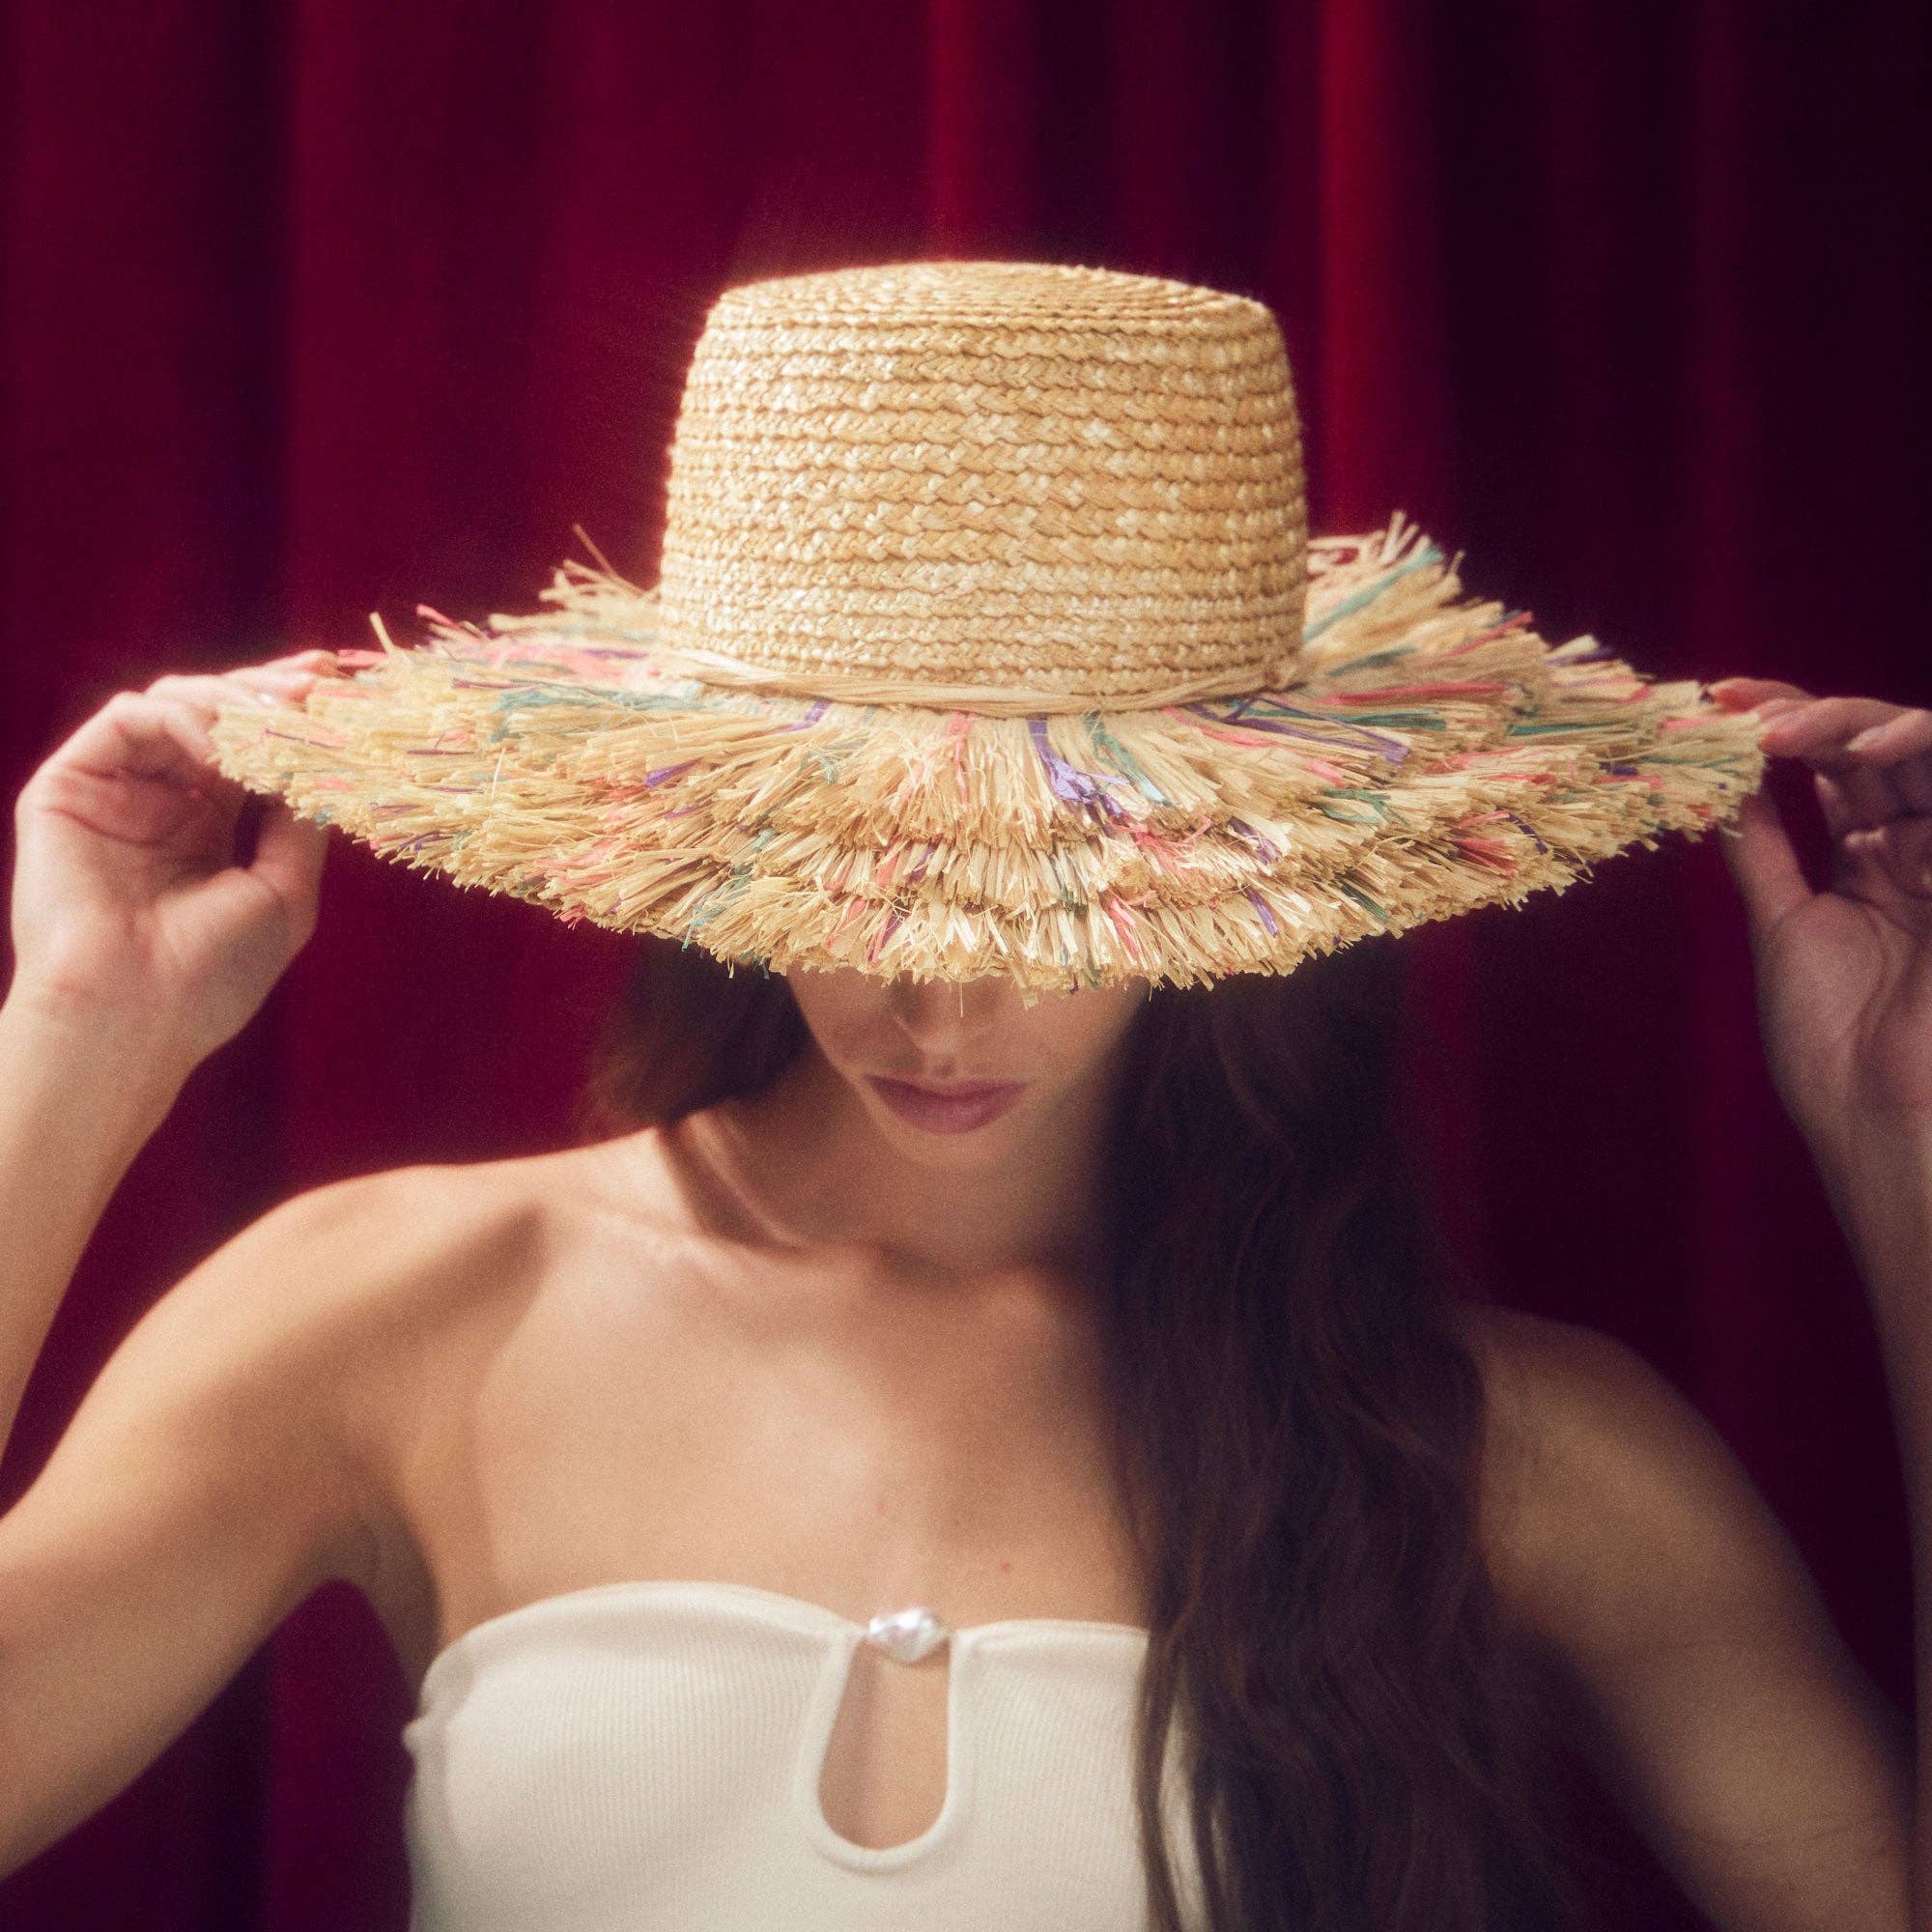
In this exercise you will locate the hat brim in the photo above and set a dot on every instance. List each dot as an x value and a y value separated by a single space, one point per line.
1433 755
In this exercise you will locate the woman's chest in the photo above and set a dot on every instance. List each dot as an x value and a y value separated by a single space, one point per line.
858 1458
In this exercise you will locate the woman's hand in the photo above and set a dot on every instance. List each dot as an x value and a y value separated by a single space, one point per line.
129 905
1844 975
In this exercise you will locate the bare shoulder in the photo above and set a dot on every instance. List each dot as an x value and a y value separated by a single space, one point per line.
401 1245
341 1291
423 1248
216 1472
1594 1462
1706 1681
369 1259
1554 1386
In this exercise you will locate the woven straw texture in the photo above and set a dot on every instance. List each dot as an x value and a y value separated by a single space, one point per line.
987 638
987 482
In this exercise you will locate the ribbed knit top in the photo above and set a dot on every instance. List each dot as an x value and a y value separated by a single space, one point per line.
648 1754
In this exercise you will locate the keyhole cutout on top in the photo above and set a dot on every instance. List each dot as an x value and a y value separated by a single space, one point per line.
888 1761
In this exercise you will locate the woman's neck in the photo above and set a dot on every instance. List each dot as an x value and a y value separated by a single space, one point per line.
808 1167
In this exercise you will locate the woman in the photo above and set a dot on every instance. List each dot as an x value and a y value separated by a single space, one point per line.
1086 1339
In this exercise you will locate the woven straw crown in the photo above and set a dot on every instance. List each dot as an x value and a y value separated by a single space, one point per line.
998 484
989 637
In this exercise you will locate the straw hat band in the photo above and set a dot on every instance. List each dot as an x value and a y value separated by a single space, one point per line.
834 678
1047 505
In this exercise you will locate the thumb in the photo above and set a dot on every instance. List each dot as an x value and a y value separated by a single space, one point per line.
1764 863
289 854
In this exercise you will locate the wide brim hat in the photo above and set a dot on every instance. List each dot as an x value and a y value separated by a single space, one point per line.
987 637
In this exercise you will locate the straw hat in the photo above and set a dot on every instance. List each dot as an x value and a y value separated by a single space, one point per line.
987 637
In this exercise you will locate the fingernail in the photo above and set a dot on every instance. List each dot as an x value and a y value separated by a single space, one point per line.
1864 738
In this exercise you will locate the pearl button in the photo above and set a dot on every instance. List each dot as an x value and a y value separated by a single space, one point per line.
907 1635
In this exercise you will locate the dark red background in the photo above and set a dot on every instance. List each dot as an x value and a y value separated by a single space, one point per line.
316 309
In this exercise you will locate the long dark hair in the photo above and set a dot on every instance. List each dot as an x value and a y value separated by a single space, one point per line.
1297 1422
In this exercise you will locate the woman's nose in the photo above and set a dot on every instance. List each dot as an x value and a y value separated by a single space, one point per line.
935 1013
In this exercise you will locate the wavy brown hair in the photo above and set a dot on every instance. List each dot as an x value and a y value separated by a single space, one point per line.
1296 1421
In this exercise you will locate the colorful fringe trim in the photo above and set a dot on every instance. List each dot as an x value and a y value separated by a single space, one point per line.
1434 754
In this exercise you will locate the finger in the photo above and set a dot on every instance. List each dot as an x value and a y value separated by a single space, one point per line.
209 689
1905 733
272 673
1901 748
1819 731
1764 863
1854 800
1903 849
1862 865
203 699
289 855
1768 709
1747 694
1857 789
317 657
278 676
136 734
272 690
318 662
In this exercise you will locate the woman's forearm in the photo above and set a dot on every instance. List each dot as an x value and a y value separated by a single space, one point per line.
1878 1177
1879 1180
80 1093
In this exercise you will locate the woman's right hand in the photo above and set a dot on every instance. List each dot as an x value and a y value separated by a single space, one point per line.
129 901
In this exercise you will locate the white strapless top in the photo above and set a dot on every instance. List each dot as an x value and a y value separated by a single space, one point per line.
645 1755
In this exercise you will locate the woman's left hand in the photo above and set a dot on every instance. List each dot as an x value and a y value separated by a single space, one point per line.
1844 975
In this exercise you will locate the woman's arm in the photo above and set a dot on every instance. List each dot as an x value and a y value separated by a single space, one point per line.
140 944
1844 997
79 1097
1712 1690
1708 1688
212 1477
205 1484
1879 1180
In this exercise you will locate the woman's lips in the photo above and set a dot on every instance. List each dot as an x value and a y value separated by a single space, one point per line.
947 1110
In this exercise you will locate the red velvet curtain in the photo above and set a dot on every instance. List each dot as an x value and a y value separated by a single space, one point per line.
312 310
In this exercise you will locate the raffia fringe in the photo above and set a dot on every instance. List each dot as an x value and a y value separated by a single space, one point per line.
1433 754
